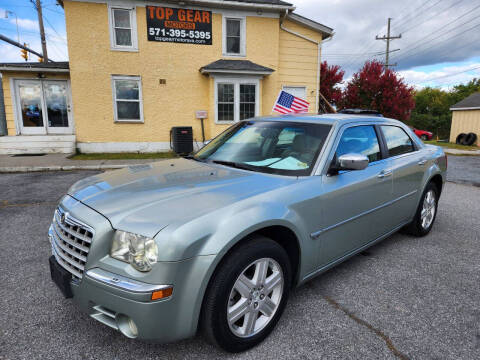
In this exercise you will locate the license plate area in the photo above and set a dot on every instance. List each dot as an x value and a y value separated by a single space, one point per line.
60 277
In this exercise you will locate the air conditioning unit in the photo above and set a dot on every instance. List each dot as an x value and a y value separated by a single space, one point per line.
181 139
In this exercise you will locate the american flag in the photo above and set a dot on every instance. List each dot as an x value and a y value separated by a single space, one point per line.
287 103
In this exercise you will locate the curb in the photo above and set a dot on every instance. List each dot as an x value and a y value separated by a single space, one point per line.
462 152
21 169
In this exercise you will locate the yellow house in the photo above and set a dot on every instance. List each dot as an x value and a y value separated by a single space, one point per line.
136 69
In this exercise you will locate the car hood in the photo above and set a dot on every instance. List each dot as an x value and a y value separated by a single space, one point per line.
146 198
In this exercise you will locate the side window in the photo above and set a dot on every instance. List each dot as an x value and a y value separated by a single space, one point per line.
360 140
398 142
123 31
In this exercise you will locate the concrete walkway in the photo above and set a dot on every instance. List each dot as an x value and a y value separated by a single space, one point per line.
55 162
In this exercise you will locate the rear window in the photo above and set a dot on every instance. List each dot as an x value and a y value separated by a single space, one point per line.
398 142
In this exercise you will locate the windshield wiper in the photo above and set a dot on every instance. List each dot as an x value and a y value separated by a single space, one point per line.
235 165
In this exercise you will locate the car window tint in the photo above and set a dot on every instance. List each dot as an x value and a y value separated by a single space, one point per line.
398 142
360 140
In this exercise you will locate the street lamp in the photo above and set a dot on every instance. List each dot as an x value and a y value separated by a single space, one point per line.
16 21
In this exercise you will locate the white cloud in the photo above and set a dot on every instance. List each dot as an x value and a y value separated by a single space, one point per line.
443 77
26 24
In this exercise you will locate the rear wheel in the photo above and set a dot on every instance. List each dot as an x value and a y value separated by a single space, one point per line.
426 212
247 295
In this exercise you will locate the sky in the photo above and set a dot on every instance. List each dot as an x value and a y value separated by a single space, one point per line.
439 47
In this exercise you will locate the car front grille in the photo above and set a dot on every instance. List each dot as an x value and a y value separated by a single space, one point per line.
70 240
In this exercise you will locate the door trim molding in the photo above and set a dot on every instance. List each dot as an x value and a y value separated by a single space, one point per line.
315 235
350 254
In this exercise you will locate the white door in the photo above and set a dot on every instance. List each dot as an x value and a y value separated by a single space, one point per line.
43 107
30 107
57 107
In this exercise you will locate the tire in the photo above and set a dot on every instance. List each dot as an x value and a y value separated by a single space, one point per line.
424 137
460 138
222 295
470 139
418 227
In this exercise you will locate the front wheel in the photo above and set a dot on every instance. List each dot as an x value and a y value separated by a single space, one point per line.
426 212
247 295
424 137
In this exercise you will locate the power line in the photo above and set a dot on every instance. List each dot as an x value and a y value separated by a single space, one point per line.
431 17
432 45
417 14
442 29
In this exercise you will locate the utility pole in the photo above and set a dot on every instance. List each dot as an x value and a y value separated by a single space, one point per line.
387 38
38 6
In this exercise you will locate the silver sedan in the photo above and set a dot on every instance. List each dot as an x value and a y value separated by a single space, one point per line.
216 241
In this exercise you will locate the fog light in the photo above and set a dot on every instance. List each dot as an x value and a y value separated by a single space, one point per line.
161 294
126 325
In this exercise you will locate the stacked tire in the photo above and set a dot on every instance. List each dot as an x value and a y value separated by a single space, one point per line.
466 139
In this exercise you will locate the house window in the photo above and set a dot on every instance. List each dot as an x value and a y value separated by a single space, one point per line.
226 102
234 36
236 99
123 34
127 98
247 101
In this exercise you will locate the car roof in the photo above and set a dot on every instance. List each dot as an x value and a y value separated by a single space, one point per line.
328 119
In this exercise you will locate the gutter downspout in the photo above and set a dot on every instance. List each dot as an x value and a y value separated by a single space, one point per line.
319 45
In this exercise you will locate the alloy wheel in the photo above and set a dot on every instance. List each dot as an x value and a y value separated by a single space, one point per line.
428 209
255 297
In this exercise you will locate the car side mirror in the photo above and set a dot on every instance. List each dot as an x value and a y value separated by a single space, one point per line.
353 162
350 161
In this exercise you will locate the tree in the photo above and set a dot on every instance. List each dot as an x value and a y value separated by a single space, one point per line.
376 88
432 111
331 76
461 91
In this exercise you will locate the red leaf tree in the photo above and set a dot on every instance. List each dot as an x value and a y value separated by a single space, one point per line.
330 77
376 88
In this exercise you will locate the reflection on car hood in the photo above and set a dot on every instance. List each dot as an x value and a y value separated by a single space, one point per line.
146 198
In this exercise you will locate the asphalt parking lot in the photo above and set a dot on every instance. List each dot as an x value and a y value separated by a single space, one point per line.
403 298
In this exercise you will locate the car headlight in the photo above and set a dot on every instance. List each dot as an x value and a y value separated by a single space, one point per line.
140 251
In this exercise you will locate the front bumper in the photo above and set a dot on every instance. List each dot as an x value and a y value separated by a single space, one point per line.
113 292
165 320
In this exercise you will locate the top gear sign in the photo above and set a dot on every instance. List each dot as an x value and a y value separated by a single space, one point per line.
179 25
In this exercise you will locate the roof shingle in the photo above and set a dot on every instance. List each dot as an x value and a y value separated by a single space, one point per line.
472 101
235 66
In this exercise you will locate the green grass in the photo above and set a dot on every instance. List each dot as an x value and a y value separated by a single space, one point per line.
124 156
452 145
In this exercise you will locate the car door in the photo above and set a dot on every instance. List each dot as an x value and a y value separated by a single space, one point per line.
408 166
355 203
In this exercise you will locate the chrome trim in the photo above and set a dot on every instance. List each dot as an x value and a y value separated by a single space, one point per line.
70 241
123 282
73 222
67 240
316 234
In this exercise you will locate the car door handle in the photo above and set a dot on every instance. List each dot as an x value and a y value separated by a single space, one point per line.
385 173
422 162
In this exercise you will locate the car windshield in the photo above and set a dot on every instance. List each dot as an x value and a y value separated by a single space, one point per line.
276 147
